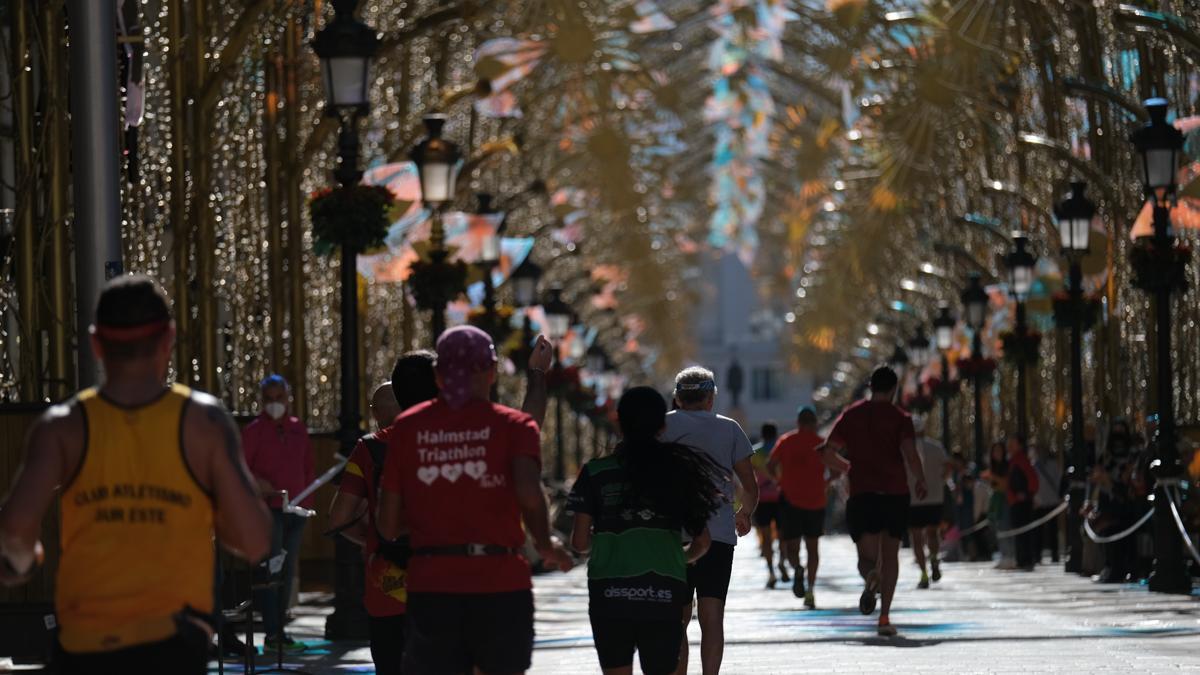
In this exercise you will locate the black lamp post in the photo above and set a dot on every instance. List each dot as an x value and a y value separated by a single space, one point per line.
975 301
346 47
558 322
525 280
1020 264
943 331
1074 216
438 161
1159 144
489 255
918 352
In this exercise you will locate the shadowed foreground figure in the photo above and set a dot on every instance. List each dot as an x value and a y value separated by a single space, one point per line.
148 472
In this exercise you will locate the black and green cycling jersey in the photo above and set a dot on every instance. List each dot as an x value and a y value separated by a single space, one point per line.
637 564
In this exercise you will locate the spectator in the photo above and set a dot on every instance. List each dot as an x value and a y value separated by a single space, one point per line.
997 505
1121 501
279 454
1022 485
1046 499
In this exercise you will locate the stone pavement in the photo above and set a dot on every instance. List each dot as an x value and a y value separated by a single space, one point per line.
976 620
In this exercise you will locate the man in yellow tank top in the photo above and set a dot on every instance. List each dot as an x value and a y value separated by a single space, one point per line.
147 473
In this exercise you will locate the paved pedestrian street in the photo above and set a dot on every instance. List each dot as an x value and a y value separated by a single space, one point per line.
977 619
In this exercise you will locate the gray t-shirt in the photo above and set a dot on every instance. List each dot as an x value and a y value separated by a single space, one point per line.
933 458
723 440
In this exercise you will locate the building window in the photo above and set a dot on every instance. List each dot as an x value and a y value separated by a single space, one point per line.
766 384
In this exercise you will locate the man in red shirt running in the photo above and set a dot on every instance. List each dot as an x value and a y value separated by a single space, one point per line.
878 439
800 468
467 473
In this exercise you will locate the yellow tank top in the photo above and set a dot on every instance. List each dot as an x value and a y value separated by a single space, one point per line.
137 529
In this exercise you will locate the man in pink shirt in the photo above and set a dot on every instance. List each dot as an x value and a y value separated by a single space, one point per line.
279 454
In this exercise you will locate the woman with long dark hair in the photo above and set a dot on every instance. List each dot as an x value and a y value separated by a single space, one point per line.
631 508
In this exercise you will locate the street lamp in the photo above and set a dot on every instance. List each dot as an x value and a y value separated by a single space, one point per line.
438 161
975 302
918 349
596 361
489 253
525 280
1159 143
1020 263
1074 218
345 48
943 330
558 322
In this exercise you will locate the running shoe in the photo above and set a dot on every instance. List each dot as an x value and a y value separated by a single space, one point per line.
924 583
866 601
886 629
271 644
771 583
798 585
809 601
937 572
783 574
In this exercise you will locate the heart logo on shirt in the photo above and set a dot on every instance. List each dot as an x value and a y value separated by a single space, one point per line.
451 472
427 474
475 469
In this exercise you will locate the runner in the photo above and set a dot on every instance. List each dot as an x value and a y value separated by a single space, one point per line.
925 514
466 473
148 471
695 425
766 519
878 439
354 506
637 574
801 471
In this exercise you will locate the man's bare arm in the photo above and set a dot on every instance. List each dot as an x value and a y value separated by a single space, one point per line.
242 520
748 494
527 482
387 516
41 473
536 395
913 458
829 455
347 517
581 533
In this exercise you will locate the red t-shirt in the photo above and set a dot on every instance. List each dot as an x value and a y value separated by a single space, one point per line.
386 591
453 469
281 453
802 473
871 432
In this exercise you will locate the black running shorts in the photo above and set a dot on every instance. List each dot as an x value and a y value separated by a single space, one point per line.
709 576
765 513
796 522
874 513
656 642
924 515
453 632
185 653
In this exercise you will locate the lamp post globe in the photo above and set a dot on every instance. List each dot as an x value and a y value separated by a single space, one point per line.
1020 263
558 315
1159 144
596 360
346 48
943 327
525 280
438 161
898 358
975 301
1074 217
918 348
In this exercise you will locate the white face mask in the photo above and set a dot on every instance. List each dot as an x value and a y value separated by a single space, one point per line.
275 410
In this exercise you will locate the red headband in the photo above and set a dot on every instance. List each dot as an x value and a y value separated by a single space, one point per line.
131 333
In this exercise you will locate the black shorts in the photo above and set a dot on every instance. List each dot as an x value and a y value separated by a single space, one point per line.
709 576
796 522
872 513
924 515
387 643
455 632
765 513
185 653
656 642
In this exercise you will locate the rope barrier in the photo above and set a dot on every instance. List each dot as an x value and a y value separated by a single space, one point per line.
1029 527
975 528
1087 527
1171 500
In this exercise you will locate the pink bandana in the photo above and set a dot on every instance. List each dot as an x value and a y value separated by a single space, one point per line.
462 351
